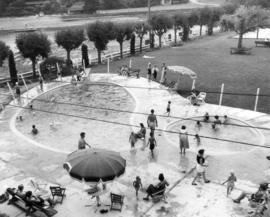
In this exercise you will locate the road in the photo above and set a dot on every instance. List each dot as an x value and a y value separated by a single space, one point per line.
59 21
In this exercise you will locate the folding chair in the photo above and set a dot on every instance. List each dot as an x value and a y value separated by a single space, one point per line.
117 202
39 187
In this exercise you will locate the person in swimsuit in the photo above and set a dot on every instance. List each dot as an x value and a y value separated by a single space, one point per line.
152 143
152 121
230 183
206 117
18 92
132 139
34 130
149 71
200 168
82 143
155 71
168 110
137 184
141 134
183 140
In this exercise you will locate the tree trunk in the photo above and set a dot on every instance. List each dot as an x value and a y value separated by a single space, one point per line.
121 49
240 40
99 56
175 34
159 39
201 29
34 67
210 29
257 36
69 63
185 33
141 40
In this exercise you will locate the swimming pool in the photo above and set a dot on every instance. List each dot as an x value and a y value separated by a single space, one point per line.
226 132
62 132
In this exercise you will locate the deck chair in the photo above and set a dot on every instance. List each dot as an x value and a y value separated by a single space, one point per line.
39 187
59 192
117 202
201 98
159 196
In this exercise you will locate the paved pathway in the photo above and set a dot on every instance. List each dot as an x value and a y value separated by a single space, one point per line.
22 159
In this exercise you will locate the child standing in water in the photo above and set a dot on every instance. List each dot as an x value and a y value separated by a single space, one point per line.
132 140
137 184
152 143
198 139
230 183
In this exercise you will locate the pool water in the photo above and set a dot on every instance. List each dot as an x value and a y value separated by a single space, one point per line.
227 132
62 132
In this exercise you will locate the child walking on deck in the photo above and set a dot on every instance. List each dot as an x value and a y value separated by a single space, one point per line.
230 183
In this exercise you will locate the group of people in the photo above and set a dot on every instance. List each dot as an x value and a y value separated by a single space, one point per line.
217 122
152 72
34 199
151 190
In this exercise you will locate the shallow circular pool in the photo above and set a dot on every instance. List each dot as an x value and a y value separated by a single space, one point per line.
62 131
241 133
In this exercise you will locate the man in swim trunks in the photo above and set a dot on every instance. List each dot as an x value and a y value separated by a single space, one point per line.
82 143
152 121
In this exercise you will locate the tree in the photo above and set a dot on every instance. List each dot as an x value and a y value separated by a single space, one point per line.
245 20
132 44
160 25
100 34
69 39
122 33
12 67
181 21
177 25
262 19
141 30
3 52
91 6
203 16
213 18
85 54
33 44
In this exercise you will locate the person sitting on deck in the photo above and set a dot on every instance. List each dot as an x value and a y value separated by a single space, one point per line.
158 189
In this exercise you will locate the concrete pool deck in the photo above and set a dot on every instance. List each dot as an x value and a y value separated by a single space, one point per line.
23 159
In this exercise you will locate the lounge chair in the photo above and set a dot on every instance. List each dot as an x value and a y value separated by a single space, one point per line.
28 207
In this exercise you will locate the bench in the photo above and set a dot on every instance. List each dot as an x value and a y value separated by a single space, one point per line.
240 50
28 207
58 192
135 72
262 43
117 202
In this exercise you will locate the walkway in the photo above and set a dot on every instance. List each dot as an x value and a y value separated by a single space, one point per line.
22 159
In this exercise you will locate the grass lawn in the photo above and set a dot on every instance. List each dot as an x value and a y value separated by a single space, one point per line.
210 58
